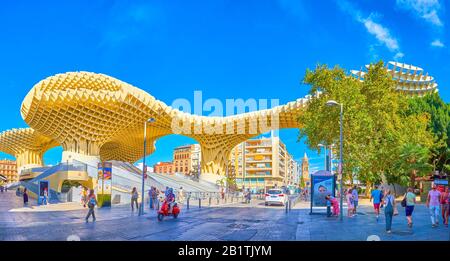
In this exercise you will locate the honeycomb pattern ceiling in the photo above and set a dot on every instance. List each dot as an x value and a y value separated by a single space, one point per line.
95 114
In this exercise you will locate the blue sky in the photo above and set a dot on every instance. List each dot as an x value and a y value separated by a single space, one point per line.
227 49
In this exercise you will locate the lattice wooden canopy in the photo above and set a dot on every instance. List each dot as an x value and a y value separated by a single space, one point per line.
410 79
98 115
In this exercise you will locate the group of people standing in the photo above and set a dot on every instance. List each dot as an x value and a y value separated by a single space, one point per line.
352 198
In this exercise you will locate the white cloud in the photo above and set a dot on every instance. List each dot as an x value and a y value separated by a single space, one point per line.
426 9
381 33
399 55
437 43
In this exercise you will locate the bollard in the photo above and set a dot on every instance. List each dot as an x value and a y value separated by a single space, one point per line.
199 203
290 205
209 201
158 205
286 207
187 202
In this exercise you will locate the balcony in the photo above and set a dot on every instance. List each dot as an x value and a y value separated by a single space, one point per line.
259 145
258 168
253 153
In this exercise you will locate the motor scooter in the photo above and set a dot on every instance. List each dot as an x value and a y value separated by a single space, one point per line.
164 211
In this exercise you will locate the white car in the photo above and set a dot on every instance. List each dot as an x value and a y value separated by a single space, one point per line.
275 196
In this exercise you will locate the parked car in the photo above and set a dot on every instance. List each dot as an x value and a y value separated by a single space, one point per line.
275 196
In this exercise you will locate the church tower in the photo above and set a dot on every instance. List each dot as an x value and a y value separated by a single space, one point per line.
305 170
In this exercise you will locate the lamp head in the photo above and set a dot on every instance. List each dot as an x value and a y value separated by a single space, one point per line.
332 103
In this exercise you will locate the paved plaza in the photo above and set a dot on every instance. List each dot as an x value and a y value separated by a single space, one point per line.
235 221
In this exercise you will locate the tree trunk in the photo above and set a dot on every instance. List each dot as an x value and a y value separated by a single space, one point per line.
368 188
413 178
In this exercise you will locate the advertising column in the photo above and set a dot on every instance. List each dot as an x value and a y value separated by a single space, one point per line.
322 184
104 187
107 184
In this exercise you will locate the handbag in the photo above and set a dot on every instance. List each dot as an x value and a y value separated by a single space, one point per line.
404 201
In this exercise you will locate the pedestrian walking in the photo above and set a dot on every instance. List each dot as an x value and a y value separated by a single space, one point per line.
25 197
180 195
355 199
433 205
1 189
84 195
389 205
248 197
444 205
150 196
350 206
375 197
92 202
410 202
134 199
45 199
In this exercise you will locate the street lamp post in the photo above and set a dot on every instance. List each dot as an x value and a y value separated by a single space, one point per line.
341 139
325 147
141 208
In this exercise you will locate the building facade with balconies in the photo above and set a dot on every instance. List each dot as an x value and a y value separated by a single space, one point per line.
8 169
261 164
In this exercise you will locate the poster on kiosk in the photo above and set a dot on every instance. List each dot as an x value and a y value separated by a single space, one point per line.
104 186
322 184
43 192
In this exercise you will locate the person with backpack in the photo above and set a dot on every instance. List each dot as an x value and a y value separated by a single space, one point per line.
389 205
134 199
92 202
408 203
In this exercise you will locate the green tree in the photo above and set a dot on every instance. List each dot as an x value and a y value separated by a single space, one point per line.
412 162
438 124
375 123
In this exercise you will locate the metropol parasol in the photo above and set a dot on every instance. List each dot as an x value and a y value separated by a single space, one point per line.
95 117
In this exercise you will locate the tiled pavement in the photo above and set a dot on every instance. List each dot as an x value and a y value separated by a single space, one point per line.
233 222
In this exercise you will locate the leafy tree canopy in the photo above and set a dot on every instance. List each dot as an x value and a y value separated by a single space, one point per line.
376 125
